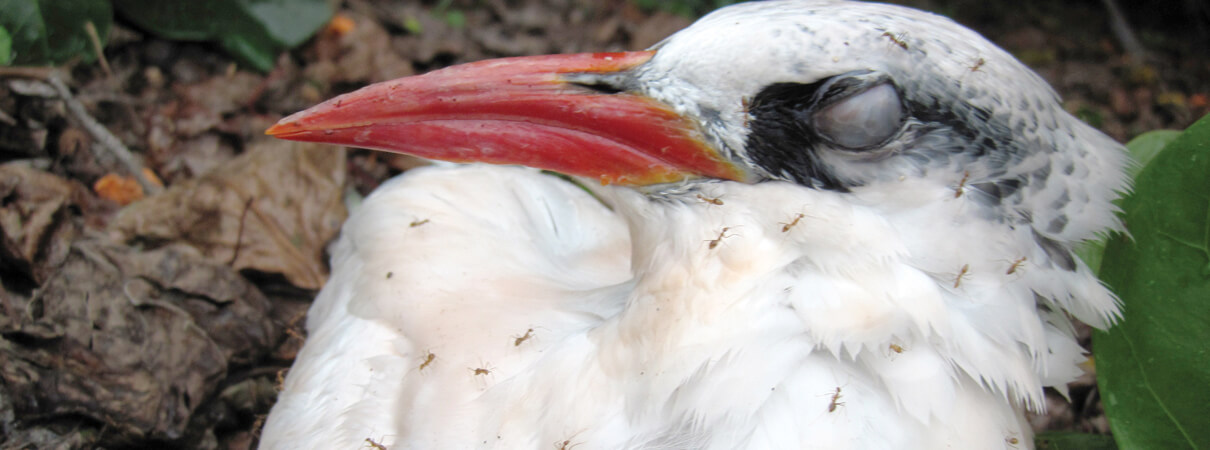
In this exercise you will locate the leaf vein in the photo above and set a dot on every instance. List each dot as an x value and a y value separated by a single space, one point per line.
1155 395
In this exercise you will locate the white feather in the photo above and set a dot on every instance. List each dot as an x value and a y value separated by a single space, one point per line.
497 307
741 345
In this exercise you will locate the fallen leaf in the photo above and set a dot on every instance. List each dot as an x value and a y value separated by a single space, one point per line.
118 189
271 210
121 189
1197 101
74 153
363 54
1171 99
340 25
189 158
1121 103
215 97
133 340
36 224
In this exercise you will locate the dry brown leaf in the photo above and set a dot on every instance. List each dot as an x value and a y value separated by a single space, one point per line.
1197 101
340 25
118 189
362 54
74 153
133 340
216 96
196 156
36 225
272 210
123 190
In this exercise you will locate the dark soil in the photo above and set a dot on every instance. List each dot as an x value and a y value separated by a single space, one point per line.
169 322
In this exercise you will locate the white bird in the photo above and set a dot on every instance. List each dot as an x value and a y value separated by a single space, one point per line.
830 225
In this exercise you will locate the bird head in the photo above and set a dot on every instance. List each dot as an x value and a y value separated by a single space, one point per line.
825 94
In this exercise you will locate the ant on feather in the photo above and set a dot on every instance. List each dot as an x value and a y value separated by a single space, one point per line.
962 273
717 201
897 39
721 235
428 359
978 64
786 226
1016 265
961 189
374 444
1012 440
518 340
484 369
835 400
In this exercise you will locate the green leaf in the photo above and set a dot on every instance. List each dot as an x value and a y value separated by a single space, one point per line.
1090 252
412 25
1153 368
1066 440
456 19
289 22
1145 146
52 31
253 31
6 47
23 19
1142 149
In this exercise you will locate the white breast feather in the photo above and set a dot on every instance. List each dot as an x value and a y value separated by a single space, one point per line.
740 345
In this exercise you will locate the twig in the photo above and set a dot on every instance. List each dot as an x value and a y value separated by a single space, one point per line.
1121 29
102 134
96 47
7 119
40 73
239 237
53 76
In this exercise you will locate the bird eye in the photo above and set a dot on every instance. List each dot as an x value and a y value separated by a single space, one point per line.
864 120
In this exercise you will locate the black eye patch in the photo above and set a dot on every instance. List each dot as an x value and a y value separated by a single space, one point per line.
792 122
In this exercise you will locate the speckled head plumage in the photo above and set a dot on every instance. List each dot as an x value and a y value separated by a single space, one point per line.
971 116
966 152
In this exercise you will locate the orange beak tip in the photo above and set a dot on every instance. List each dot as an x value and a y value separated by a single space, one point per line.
279 128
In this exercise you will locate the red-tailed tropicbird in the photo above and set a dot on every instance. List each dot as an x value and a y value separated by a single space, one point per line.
821 225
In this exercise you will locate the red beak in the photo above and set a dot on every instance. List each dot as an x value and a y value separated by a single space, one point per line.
520 111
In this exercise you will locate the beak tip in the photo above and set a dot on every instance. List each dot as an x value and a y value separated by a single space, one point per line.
278 129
